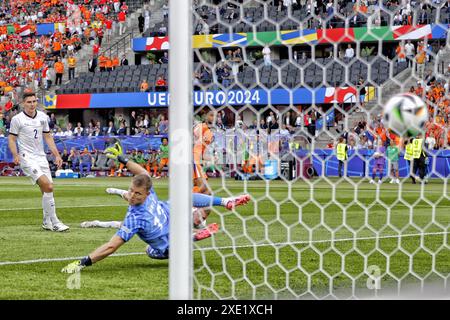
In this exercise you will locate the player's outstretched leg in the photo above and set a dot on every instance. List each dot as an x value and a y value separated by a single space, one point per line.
101 224
206 232
200 200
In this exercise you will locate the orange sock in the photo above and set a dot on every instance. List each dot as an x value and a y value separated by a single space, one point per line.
196 189
155 170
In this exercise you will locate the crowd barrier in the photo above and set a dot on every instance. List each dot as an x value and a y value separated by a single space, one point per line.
229 148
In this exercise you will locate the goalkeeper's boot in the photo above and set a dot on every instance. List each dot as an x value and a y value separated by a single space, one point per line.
231 203
60 227
207 232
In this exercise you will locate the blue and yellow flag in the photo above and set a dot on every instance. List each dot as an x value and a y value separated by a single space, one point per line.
50 101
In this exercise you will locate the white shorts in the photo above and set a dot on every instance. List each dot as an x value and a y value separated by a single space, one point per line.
36 168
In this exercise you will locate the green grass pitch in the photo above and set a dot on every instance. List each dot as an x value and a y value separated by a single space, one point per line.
276 247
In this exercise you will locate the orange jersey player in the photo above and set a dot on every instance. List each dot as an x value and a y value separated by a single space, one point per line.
203 137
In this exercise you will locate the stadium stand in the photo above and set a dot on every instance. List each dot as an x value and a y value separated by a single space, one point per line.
243 18
232 71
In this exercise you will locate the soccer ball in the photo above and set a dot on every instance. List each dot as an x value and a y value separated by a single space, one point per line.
405 114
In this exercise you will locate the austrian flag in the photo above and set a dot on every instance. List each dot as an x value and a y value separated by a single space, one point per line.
412 32
25 30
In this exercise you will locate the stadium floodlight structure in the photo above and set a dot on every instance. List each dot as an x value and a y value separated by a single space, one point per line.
302 237
180 129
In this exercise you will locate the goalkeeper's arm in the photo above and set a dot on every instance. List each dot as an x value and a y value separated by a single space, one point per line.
135 168
116 153
99 254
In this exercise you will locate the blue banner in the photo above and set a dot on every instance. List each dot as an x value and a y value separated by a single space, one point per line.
360 163
129 143
213 98
45 29
329 120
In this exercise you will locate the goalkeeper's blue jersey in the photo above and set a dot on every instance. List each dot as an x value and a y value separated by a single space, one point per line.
150 221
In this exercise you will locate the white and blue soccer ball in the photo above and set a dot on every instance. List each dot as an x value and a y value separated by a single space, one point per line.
405 114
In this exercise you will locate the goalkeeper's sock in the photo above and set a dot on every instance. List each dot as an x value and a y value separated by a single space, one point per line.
200 200
48 204
118 192
109 224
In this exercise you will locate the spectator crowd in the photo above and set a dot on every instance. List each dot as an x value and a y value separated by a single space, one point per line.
40 61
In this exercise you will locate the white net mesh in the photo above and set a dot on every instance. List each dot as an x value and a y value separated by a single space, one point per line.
296 76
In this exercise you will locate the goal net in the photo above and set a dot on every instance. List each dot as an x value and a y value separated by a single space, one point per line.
288 81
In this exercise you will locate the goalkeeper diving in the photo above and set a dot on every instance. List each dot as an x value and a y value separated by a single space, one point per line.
148 217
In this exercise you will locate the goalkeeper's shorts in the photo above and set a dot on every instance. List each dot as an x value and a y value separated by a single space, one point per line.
157 254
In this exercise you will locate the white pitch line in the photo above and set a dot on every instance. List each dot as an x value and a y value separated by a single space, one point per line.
280 244
125 205
233 247
5 263
65 207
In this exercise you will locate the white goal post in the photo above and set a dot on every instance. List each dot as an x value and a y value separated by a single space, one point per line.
180 115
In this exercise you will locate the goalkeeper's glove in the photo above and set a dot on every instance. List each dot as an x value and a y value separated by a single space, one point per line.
77 266
116 153
73 267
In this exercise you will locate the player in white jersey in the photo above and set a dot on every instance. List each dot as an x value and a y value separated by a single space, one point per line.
29 129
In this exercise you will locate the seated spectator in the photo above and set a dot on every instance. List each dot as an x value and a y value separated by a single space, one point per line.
110 130
226 77
219 124
65 159
144 86
124 61
122 129
59 132
74 158
161 84
86 160
146 121
349 52
284 131
78 131
162 32
52 121
97 132
68 132
163 125
165 58
364 143
262 124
